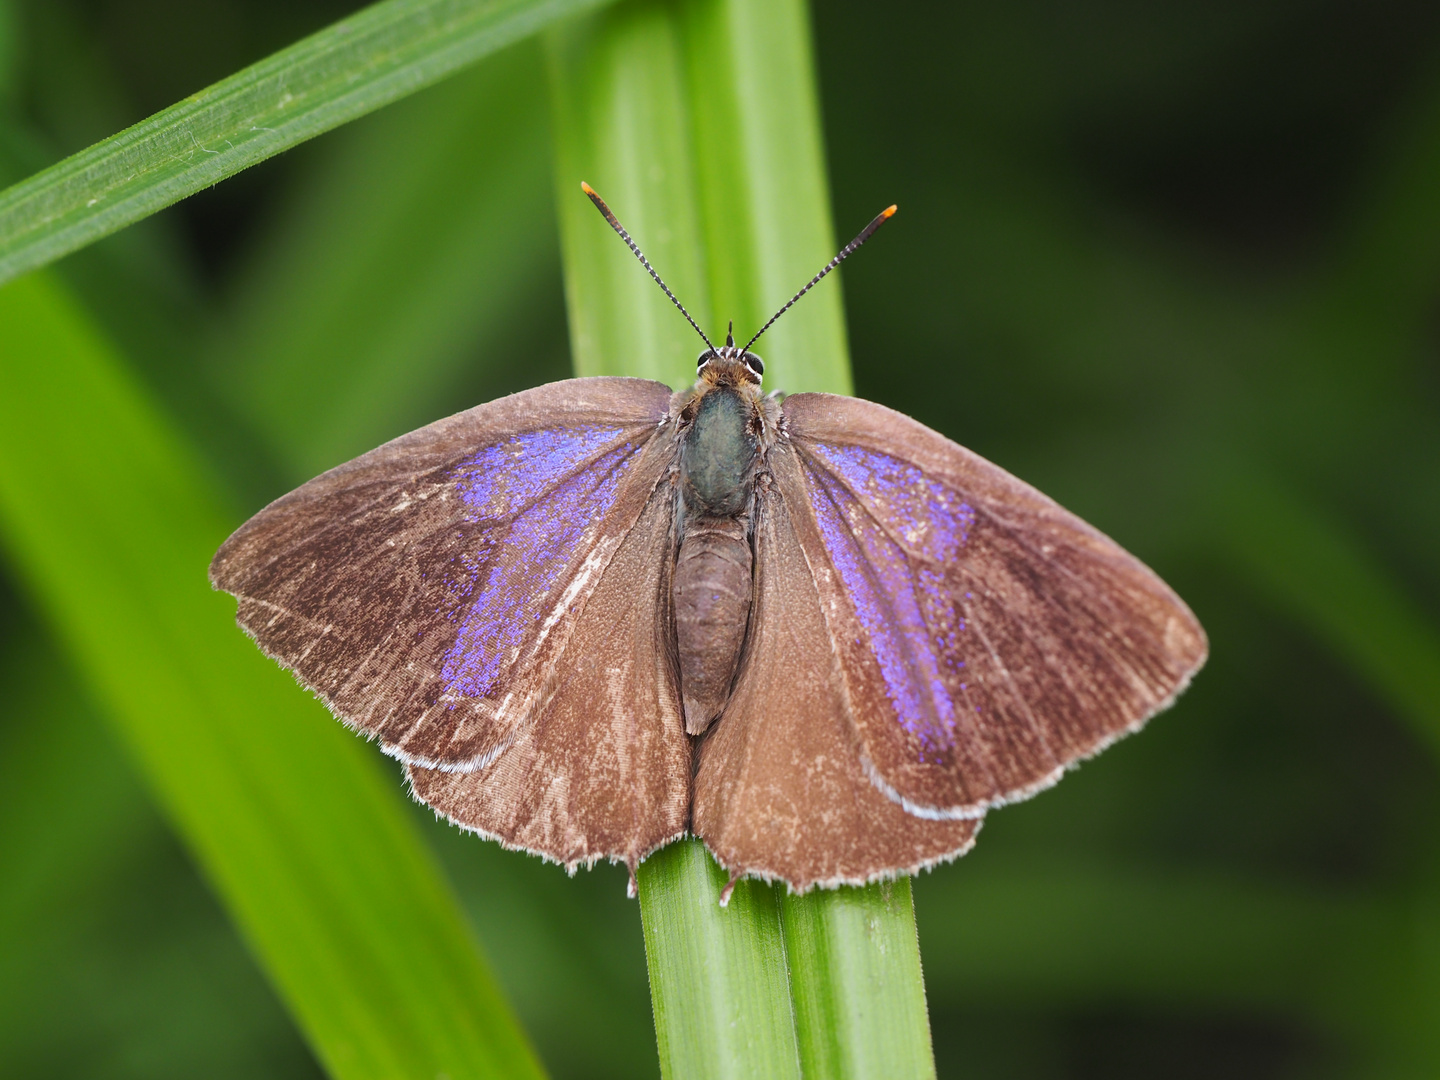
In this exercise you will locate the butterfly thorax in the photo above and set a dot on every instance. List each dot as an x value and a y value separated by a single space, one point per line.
723 431
717 455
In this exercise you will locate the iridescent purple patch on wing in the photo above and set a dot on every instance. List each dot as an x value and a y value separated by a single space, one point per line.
890 532
505 478
927 518
554 485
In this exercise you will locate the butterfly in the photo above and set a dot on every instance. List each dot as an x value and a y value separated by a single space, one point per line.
597 615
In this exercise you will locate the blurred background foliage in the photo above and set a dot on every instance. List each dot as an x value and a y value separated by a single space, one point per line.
1175 264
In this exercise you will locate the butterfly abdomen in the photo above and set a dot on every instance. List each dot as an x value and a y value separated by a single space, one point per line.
712 592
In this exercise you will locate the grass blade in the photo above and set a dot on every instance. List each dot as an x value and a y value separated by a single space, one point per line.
718 979
418 238
111 524
856 982
760 166
359 64
698 123
621 123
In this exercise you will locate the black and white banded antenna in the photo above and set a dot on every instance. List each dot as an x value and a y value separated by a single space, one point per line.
615 224
865 234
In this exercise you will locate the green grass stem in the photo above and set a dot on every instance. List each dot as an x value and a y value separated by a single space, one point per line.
856 982
698 122
719 980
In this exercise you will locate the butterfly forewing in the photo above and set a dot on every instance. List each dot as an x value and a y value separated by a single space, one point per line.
988 637
603 768
424 590
780 790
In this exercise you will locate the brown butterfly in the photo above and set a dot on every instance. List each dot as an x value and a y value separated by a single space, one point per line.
596 615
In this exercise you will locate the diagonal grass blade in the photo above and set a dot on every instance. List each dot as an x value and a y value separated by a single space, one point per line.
359 64
111 523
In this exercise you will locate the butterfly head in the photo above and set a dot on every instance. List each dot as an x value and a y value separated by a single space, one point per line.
730 365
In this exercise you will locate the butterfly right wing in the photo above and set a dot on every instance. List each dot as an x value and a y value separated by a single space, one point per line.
425 590
993 638
780 791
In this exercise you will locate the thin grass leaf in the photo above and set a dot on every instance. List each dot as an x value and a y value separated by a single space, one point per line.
698 122
718 980
111 523
718 976
110 950
621 123
359 64
416 240
856 982
760 169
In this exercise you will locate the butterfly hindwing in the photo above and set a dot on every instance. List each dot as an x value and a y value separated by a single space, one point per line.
424 590
780 791
989 638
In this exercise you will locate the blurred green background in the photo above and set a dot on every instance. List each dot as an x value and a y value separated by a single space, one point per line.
1177 265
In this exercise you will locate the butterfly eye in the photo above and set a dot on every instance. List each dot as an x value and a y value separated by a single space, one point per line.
705 357
755 364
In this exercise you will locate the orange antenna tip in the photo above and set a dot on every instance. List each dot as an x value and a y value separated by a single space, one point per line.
635 250
865 234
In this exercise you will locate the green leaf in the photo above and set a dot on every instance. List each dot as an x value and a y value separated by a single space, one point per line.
698 123
111 524
370 59
856 981
718 978
113 958
402 258
621 123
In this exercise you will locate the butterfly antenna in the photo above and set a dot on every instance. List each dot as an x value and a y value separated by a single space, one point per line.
865 234
615 224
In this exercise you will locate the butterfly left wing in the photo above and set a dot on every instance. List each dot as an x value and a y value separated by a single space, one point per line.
989 638
780 791
603 768
424 590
